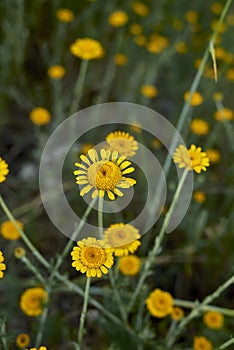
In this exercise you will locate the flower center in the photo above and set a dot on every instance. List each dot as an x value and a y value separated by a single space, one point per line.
93 256
104 175
121 144
195 158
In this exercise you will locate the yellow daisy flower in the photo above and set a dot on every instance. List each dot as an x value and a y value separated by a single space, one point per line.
199 196
177 313
123 143
118 18
216 8
123 238
196 99
2 265
93 257
135 28
213 319
22 340
159 303
19 252
213 155
120 59
103 173
40 116
157 43
32 301
9 231
202 343
149 91
3 170
217 96
140 9
87 49
40 348
192 159
129 265
65 15
56 72
224 114
199 126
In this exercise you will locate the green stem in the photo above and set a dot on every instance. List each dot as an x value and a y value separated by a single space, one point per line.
79 86
158 241
191 305
43 319
117 297
28 243
100 217
33 269
84 311
226 345
3 334
198 309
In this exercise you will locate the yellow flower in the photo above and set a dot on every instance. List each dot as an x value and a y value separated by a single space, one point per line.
2 265
149 91
123 238
87 49
19 252
217 96
199 126
230 74
192 159
118 18
22 340
140 9
202 343
157 43
129 265
213 155
65 15
213 319
135 29
9 231
86 147
191 17
140 40
222 26
199 196
32 301
216 8
223 114
104 174
93 257
3 170
122 142
156 143
40 116
181 47
196 99
120 59
159 303
230 20
136 127
177 313
56 72
40 348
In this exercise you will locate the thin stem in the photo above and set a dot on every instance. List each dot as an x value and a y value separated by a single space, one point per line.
3 335
191 305
84 311
226 345
23 235
117 297
157 244
33 269
100 217
43 320
79 86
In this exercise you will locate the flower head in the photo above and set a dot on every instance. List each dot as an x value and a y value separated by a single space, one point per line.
135 28
213 155
199 126
3 170
56 72
196 98
120 59
65 15
93 257
9 230
118 18
2 265
159 303
140 9
199 196
40 348
157 43
202 343
177 313
87 49
129 265
224 114
19 252
22 340
123 238
32 301
192 159
122 142
103 173
149 91
40 116
213 319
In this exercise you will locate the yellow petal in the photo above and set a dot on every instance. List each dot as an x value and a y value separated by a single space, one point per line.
103 154
93 155
94 194
85 190
81 166
111 195
84 159
101 193
118 192
128 171
124 165
82 182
